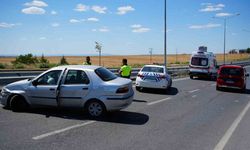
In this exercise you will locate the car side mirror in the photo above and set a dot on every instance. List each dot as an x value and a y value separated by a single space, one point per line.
217 67
247 75
35 83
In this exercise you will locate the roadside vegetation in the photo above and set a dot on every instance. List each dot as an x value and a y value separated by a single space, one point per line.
29 61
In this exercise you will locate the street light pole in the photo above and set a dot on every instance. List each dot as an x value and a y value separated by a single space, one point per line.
225 24
225 31
165 33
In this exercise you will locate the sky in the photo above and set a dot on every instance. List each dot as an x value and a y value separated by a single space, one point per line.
122 27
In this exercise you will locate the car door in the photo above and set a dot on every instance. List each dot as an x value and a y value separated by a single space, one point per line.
43 90
74 89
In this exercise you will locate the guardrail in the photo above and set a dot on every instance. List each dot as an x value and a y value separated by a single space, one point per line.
8 76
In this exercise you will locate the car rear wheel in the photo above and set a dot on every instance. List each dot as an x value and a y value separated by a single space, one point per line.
170 84
218 88
243 90
18 103
95 108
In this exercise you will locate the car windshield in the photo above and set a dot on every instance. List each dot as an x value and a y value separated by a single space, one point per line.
105 74
153 69
231 71
197 61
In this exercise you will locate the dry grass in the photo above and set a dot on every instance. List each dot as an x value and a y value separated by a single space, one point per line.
134 60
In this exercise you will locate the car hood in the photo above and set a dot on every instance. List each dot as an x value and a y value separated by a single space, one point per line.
19 85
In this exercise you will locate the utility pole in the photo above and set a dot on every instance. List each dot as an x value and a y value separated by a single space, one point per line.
224 34
165 34
150 53
176 55
98 47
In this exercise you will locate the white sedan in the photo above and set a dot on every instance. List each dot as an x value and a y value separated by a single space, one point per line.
93 88
153 76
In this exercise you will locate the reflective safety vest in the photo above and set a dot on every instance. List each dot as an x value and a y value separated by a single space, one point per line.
125 70
86 63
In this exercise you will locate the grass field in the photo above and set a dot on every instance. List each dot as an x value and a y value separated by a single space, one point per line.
133 60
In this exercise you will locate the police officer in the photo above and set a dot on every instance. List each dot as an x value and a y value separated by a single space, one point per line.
87 62
125 70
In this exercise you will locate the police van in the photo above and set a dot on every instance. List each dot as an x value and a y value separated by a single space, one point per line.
203 64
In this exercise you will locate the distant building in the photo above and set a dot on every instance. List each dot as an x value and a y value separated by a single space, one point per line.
242 51
233 51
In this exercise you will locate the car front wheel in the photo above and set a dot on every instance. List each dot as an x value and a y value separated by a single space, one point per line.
18 104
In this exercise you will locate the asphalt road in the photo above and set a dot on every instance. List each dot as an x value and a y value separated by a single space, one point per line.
192 116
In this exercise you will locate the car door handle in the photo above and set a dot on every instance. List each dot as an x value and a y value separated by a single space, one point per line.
85 88
51 89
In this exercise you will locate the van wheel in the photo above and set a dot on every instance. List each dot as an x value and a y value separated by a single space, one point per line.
213 77
95 108
18 103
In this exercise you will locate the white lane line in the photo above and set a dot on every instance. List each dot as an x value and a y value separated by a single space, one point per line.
223 141
194 96
213 84
194 91
61 130
158 101
181 79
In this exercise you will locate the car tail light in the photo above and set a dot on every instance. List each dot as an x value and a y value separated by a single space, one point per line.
162 76
122 90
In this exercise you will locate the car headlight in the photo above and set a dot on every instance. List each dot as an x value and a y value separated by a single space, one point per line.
5 91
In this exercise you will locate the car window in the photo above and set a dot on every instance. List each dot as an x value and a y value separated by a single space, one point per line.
231 71
197 61
153 69
105 74
50 78
76 77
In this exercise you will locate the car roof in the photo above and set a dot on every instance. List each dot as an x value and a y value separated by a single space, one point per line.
153 66
90 67
231 66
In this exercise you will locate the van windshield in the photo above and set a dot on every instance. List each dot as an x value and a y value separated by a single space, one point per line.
231 71
197 61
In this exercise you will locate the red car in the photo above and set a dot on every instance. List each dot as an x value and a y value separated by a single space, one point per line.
232 76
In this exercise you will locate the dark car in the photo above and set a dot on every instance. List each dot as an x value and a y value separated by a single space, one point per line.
232 76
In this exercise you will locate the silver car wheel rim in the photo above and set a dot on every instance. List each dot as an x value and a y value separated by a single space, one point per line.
95 109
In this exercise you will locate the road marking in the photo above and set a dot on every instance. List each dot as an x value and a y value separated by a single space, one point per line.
61 130
194 91
180 79
223 141
194 96
158 101
213 84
